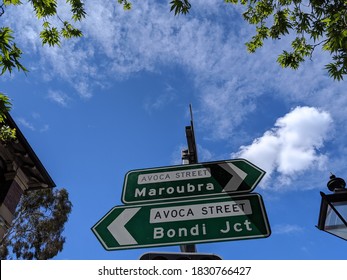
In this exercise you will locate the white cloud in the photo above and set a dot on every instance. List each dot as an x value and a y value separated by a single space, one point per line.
36 125
26 124
59 97
160 101
208 44
286 229
44 128
204 155
292 146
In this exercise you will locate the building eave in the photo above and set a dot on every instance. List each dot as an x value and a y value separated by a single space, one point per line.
30 163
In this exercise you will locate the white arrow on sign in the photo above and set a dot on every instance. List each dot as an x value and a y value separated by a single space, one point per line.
237 176
118 230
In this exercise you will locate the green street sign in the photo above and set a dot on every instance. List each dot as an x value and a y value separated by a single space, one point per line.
205 220
188 181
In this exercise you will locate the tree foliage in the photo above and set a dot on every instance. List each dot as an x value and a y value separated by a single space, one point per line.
45 11
6 133
312 23
36 231
126 4
180 7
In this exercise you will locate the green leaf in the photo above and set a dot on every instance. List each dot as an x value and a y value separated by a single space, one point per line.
334 71
126 4
46 24
77 9
68 31
9 53
50 36
300 47
5 106
7 133
281 24
44 8
254 44
231 1
291 60
12 2
180 7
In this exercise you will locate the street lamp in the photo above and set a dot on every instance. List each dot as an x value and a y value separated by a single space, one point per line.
333 209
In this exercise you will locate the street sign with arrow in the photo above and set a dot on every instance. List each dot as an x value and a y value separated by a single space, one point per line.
174 223
187 181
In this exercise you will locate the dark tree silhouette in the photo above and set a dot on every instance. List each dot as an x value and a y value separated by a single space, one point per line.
37 228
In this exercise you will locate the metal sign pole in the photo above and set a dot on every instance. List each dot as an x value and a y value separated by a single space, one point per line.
190 156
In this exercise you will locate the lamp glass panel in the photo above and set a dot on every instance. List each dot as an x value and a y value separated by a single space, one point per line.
333 223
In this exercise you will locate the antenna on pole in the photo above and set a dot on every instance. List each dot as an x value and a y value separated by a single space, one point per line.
191 113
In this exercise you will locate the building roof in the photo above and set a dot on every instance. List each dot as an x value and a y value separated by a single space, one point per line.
28 160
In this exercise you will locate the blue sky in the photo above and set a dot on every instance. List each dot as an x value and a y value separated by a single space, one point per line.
118 100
